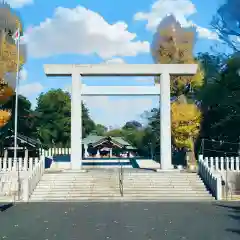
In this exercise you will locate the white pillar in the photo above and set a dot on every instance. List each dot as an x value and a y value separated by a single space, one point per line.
76 122
85 150
110 153
165 122
5 153
26 153
98 154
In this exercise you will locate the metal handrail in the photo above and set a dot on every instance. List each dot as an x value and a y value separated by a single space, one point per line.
120 177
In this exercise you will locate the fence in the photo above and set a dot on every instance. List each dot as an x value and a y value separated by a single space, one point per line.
229 170
31 181
8 187
55 151
24 164
223 163
212 180
12 184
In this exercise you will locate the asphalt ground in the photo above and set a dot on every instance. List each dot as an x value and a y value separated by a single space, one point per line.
121 221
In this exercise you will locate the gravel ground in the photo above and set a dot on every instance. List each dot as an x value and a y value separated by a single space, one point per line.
121 221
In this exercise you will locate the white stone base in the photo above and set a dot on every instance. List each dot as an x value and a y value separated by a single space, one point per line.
148 164
171 169
106 166
76 170
60 165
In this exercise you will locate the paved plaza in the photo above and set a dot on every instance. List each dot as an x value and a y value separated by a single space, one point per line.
121 221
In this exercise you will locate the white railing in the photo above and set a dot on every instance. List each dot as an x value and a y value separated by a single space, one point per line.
223 163
31 181
55 151
9 186
211 179
9 165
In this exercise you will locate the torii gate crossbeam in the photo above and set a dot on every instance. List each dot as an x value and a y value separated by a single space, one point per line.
162 70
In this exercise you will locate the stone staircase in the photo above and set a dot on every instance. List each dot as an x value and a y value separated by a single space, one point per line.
169 186
103 185
72 185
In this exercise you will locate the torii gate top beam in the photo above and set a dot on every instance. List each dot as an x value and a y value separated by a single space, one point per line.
120 69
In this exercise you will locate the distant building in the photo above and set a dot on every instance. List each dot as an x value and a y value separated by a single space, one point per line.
25 146
102 146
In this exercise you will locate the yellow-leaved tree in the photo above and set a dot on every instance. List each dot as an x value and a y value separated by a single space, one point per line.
174 44
186 120
9 23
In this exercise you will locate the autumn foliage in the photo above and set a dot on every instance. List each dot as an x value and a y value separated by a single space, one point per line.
4 117
186 120
174 44
9 22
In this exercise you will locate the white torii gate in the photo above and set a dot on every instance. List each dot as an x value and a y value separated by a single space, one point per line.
81 70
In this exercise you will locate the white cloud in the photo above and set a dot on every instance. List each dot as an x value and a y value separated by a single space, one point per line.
31 89
82 31
18 3
114 61
181 9
112 111
206 33
23 74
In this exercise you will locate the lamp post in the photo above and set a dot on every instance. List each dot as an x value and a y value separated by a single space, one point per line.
17 39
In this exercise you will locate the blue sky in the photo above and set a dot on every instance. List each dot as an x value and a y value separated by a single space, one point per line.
90 31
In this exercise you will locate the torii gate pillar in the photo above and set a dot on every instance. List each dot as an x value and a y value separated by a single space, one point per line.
76 122
162 70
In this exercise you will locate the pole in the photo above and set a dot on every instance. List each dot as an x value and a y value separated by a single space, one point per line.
203 147
239 144
151 150
16 111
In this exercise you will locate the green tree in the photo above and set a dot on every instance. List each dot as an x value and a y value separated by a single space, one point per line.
88 124
54 118
227 23
26 116
211 65
221 115
100 130
151 138
132 125
115 133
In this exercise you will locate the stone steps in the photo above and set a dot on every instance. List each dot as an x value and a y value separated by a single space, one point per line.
102 191
97 185
126 177
148 194
139 188
126 199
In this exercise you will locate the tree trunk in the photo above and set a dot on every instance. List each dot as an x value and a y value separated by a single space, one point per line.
182 99
191 157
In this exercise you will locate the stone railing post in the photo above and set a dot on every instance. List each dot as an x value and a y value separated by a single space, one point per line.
26 190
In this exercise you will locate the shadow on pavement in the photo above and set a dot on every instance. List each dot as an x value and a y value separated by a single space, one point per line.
234 213
5 207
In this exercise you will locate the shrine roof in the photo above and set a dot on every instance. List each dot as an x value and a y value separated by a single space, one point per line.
23 139
95 139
